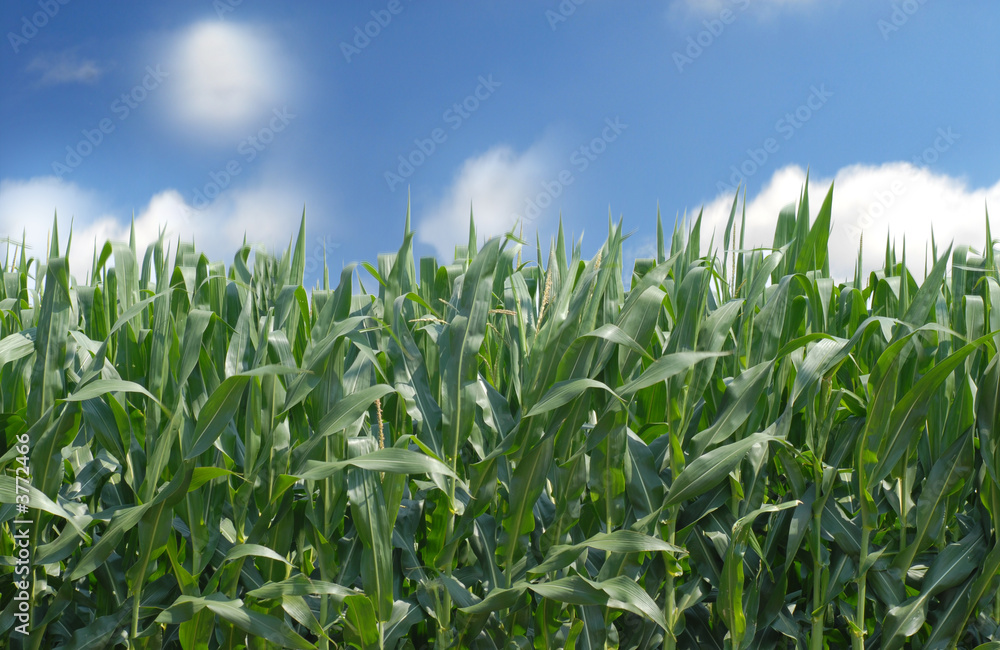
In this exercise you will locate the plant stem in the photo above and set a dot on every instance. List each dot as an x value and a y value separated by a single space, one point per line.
818 631
858 641
135 608
324 605
670 604
324 601
901 493
996 605
443 604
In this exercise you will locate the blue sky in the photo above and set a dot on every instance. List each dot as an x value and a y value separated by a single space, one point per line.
218 119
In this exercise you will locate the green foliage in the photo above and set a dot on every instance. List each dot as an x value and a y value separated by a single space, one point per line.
734 453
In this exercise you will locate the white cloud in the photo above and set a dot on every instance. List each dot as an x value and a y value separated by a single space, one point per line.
498 185
873 201
27 208
224 78
64 67
268 214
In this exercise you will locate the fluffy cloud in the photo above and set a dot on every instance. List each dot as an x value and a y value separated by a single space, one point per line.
872 202
224 78
64 67
267 214
499 186
27 208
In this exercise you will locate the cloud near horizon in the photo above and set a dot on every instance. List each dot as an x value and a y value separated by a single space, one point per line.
498 186
266 214
870 203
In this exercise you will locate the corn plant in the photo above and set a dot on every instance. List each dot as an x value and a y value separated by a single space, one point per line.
736 451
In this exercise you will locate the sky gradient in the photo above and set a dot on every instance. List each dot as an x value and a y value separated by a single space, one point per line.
222 120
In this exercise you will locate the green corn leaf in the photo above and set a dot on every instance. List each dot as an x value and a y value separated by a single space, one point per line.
51 334
351 408
950 568
563 393
946 477
17 345
619 541
362 626
300 585
100 387
234 611
907 414
707 471
391 460
526 484
664 368
244 550
217 412
731 588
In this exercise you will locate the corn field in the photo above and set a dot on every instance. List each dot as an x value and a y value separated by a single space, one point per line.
737 451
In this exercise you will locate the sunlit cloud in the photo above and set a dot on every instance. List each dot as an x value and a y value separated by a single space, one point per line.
495 185
266 214
224 78
870 204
